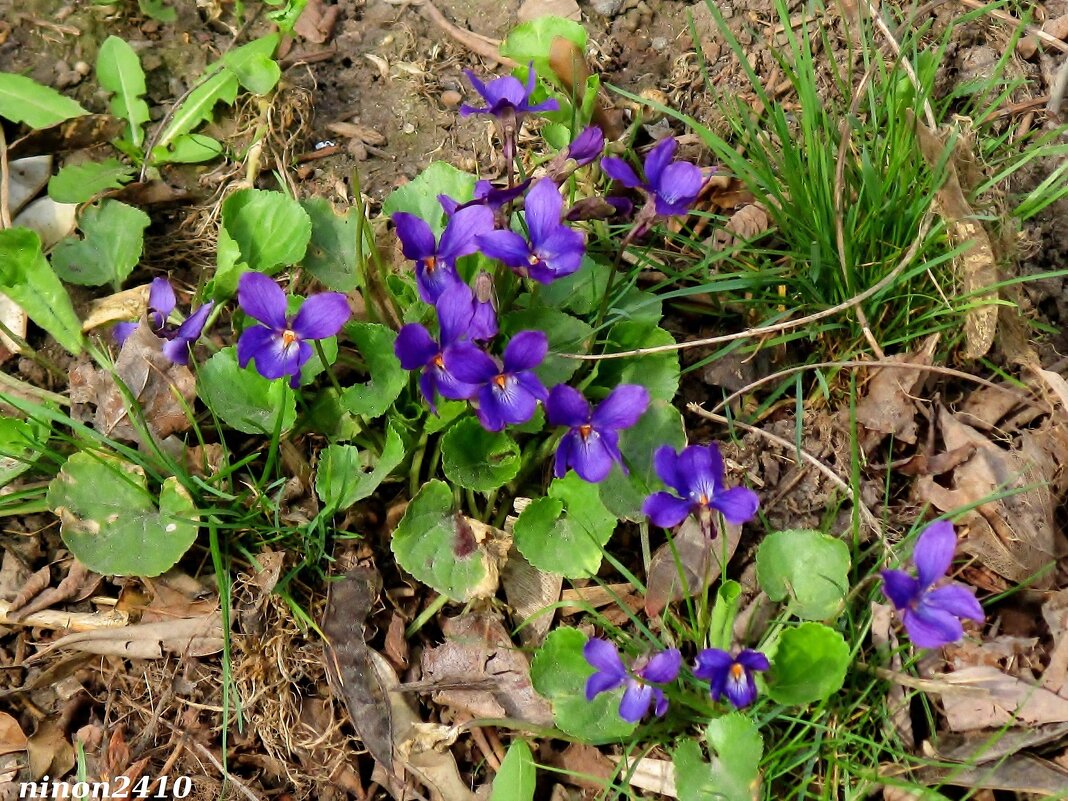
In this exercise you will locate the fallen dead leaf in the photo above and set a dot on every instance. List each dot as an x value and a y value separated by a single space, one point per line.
747 223
199 636
530 591
78 580
164 390
1055 613
50 220
130 304
477 648
16 321
977 749
36 583
888 406
1004 700
49 752
655 775
317 21
1014 535
977 266
12 738
1022 773
349 666
583 766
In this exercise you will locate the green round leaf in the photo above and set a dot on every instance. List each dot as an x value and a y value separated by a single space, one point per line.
110 522
343 477
420 195
566 334
110 249
517 778
478 459
559 672
571 545
331 254
439 547
387 379
809 665
271 229
242 398
623 495
657 372
809 568
77 183
533 41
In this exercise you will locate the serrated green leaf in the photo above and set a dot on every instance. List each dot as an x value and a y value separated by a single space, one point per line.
387 379
331 254
572 545
110 248
109 520
218 86
517 778
118 70
809 568
439 548
566 334
623 495
253 64
478 459
271 229
22 99
809 665
420 195
694 778
28 279
559 672
242 398
657 372
341 479
78 183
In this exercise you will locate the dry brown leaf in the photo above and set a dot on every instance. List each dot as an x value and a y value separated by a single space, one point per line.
349 661
317 21
477 648
976 749
74 584
583 766
1016 535
655 775
976 266
199 636
1020 774
49 752
898 703
1055 613
12 738
747 223
529 592
700 558
153 379
129 304
1004 700
35 584
888 406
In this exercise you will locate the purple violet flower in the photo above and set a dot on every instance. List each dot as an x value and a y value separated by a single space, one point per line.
435 262
696 474
485 194
508 101
671 187
661 668
583 150
508 394
177 338
554 249
484 320
417 349
592 444
279 344
729 675
932 617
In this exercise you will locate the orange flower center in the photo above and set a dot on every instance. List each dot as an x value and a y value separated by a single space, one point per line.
737 672
585 431
288 337
438 361
500 380
430 262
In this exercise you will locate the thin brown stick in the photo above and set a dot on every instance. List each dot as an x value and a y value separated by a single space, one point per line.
476 43
929 368
775 328
906 65
865 512
241 788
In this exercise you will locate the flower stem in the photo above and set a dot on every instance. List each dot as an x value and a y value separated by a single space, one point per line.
326 366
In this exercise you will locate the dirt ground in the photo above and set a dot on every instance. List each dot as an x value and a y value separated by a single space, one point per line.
395 75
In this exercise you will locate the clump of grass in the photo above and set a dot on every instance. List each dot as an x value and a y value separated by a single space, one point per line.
837 165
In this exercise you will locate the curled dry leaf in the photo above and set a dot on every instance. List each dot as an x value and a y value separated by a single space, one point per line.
700 559
1002 700
1014 535
655 775
887 407
129 304
477 648
748 222
12 738
1023 773
153 379
198 636
349 666
73 586
316 23
1055 613
976 266
529 592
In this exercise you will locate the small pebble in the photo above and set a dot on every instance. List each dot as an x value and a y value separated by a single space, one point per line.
659 43
451 98
82 68
67 79
607 8
408 128
357 150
